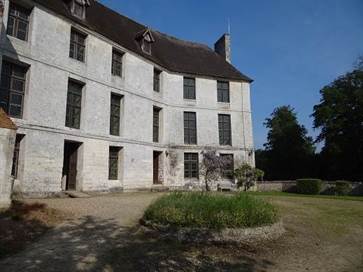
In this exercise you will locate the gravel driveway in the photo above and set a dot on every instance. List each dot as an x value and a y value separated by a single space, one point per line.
99 224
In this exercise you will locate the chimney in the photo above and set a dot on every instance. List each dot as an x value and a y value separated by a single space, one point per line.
223 47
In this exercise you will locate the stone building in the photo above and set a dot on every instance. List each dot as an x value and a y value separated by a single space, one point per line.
103 103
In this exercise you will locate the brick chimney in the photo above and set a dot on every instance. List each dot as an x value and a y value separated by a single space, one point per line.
223 47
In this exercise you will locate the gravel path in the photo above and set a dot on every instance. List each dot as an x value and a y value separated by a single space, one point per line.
99 225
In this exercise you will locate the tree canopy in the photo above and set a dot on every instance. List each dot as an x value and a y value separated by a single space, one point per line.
339 116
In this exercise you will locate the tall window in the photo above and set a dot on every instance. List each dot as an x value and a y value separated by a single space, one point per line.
224 122
227 172
157 74
12 89
77 46
223 91
117 63
189 88
113 159
18 23
191 165
156 124
190 128
115 114
74 103
14 169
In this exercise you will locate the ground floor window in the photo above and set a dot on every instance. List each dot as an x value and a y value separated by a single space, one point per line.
14 169
113 162
191 165
227 172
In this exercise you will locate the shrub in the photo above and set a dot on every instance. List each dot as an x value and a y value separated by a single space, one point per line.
212 211
247 176
308 186
343 187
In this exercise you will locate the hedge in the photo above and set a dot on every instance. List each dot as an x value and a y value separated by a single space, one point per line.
308 186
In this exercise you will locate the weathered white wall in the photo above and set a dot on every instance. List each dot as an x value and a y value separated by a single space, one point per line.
43 123
7 141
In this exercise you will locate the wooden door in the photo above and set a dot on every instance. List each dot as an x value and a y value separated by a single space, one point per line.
70 164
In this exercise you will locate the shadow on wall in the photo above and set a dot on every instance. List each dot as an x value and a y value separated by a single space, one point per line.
102 245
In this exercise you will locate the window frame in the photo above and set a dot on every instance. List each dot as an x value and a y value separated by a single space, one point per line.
115 114
189 90
117 63
190 128
113 162
156 124
17 18
72 107
225 133
77 44
191 165
227 173
8 93
223 92
157 80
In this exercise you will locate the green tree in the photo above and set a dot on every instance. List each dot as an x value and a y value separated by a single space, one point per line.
339 116
289 151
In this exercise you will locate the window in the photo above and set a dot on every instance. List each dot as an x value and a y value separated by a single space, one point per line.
191 165
223 91
227 172
189 88
146 47
14 169
224 122
157 74
156 124
113 159
78 45
18 22
190 128
12 89
79 10
117 63
115 114
74 102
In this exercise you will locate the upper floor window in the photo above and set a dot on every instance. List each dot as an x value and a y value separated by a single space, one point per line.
157 74
145 39
117 63
190 128
223 91
74 104
156 124
77 46
224 125
115 114
18 23
189 88
12 88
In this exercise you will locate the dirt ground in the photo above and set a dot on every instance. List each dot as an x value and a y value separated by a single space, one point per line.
103 235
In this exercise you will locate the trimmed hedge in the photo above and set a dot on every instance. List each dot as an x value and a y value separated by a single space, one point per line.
343 187
308 186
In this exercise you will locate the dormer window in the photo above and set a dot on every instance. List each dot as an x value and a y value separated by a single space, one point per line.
78 8
145 39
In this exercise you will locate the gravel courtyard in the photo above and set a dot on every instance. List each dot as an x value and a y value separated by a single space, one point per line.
102 234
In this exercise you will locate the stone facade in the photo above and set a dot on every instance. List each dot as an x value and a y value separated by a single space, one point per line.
44 111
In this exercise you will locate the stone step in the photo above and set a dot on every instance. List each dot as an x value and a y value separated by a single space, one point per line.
75 194
159 188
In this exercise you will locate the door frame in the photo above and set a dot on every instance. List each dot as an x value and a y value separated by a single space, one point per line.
156 179
65 182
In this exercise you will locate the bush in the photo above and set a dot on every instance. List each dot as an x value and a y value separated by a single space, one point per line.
343 187
308 186
212 211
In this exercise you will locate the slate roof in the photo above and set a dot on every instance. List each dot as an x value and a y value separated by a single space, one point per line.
171 53
5 121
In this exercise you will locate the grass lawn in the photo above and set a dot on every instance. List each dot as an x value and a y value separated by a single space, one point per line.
323 234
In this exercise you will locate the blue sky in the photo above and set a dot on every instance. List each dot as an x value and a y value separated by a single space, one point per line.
291 48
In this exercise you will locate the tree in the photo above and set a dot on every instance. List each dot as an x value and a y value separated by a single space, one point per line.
339 116
247 176
212 166
288 149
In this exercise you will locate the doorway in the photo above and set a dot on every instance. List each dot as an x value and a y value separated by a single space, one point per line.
70 164
156 168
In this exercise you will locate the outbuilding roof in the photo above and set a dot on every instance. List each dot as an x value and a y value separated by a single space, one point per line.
5 121
171 53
